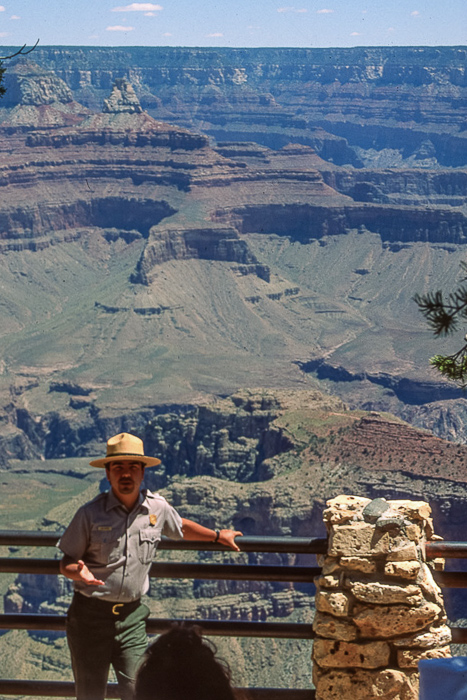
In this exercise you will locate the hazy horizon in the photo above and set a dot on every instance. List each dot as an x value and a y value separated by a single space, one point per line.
239 24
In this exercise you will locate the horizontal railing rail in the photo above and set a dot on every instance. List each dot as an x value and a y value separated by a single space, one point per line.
64 689
289 545
446 550
229 572
451 579
233 628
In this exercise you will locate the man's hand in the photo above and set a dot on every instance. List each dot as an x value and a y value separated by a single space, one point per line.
87 576
78 571
227 538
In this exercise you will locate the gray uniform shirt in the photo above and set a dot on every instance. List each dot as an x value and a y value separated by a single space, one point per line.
117 545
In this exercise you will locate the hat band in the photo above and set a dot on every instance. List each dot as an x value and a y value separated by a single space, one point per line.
126 454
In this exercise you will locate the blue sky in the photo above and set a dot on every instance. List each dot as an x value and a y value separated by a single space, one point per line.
234 23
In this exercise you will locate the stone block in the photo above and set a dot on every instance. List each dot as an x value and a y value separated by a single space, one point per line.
331 627
363 539
414 510
335 603
402 550
329 581
331 653
394 620
344 508
438 564
402 569
430 530
348 540
329 565
375 509
429 586
362 564
385 594
409 658
414 532
359 684
435 637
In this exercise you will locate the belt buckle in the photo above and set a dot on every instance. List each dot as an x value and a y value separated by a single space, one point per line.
114 608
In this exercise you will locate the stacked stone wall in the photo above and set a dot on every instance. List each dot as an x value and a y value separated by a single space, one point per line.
378 609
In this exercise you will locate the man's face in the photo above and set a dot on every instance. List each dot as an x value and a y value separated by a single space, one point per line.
125 477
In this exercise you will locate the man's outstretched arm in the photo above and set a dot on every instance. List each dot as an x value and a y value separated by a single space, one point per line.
194 531
78 571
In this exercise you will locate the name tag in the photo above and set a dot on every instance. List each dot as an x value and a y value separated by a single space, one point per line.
104 528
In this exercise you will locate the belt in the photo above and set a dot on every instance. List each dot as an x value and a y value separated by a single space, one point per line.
103 605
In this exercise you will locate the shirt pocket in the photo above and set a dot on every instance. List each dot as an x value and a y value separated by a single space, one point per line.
105 546
148 541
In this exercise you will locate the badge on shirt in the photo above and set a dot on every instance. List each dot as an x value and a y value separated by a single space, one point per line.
153 519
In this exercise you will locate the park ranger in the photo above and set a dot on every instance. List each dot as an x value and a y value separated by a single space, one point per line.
108 549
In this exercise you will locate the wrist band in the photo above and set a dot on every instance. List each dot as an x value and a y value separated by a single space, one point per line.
218 532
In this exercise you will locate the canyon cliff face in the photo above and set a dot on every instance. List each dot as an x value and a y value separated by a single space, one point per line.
373 106
140 254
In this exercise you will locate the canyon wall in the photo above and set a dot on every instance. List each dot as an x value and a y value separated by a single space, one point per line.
374 99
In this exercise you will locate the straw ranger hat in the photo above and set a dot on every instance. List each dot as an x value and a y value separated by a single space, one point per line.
125 446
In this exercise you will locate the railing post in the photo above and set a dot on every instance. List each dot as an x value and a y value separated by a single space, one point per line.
378 608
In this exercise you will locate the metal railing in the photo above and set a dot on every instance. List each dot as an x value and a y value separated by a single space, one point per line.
237 628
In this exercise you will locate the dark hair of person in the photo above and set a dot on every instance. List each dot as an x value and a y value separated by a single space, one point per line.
181 665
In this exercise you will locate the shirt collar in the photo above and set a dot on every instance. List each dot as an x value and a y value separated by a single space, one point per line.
113 501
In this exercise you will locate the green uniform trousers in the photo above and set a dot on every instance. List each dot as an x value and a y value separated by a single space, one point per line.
99 638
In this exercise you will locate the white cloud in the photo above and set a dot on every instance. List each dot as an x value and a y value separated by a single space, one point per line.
138 7
355 34
324 12
3 33
15 17
214 34
149 14
391 29
119 28
415 13
291 9
2 9
167 34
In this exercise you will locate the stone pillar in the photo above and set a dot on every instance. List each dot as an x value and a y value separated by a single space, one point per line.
378 609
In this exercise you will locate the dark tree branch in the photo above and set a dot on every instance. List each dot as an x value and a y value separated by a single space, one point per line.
20 52
443 316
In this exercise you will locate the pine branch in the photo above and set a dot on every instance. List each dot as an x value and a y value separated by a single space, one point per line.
441 315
